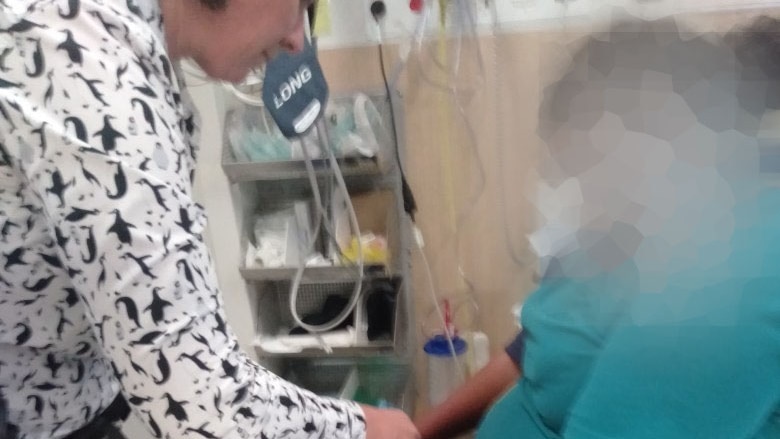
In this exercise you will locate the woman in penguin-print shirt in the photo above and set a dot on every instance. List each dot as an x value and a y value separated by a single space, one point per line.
106 285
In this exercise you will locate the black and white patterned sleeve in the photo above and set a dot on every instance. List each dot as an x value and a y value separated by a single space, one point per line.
114 174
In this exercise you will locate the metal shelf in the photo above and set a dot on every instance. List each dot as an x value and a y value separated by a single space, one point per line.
381 366
371 349
275 321
238 172
310 275
366 381
295 169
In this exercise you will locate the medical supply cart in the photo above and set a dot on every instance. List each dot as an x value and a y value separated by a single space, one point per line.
369 357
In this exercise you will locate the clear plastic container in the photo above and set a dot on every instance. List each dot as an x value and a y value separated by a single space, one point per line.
445 371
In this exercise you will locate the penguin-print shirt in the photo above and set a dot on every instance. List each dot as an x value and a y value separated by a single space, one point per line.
106 285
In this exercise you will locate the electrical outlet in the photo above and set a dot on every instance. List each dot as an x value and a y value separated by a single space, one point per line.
373 23
397 24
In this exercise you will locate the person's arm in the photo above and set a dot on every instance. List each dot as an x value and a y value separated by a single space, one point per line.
388 424
114 173
463 410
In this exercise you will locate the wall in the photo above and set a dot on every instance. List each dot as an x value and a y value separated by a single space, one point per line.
468 192
349 23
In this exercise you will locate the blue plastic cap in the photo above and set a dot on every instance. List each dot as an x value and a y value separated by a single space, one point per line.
439 346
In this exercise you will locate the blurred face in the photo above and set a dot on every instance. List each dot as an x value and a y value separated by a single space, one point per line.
245 34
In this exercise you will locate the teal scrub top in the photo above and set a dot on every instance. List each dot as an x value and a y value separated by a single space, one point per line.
603 360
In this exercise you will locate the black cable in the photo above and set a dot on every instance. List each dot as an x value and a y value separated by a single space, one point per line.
410 205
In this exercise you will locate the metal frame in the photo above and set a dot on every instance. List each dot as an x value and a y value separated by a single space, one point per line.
258 182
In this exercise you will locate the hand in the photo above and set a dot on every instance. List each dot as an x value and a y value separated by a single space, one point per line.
388 424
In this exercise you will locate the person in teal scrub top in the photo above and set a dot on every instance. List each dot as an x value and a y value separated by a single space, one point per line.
657 314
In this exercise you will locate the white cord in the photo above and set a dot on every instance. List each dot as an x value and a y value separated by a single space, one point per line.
465 21
295 285
255 80
323 127
417 233
322 214
432 289
244 97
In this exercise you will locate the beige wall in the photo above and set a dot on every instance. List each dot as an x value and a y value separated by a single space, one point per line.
444 174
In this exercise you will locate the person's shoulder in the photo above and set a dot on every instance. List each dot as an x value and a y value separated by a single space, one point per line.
86 33
18 8
87 54
139 16
12 13
18 12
